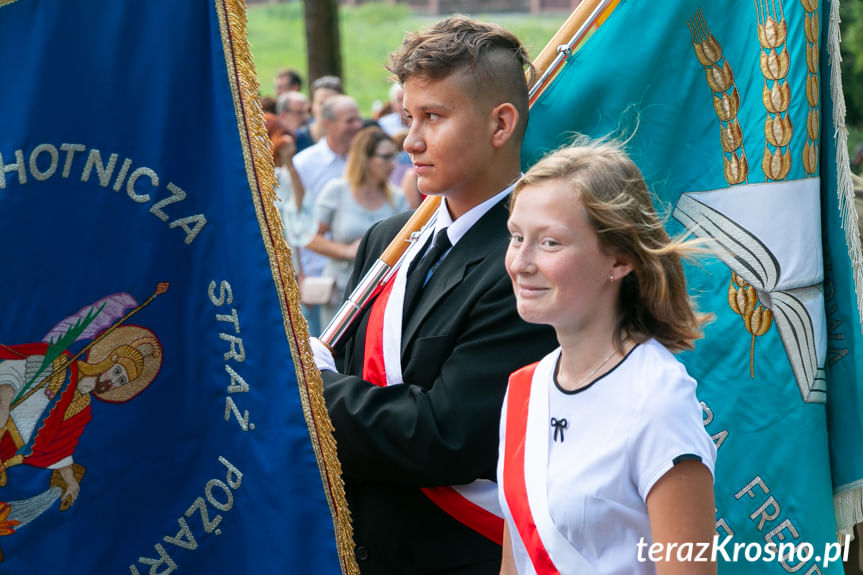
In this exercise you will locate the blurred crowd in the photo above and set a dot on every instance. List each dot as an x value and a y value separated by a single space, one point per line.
338 174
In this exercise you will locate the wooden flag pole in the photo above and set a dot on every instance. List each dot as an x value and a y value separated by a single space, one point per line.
561 45
380 272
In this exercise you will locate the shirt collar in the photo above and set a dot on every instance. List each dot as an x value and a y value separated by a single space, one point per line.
458 228
327 152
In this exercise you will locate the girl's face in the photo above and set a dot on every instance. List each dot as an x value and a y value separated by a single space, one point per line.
559 274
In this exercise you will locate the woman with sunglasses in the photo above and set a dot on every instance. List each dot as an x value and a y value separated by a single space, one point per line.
347 207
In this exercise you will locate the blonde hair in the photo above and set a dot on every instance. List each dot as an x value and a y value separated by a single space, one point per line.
653 297
363 147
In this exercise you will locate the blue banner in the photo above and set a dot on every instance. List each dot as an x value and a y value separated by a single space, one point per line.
728 109
152 420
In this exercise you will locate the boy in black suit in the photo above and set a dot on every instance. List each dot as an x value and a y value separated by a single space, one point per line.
416 401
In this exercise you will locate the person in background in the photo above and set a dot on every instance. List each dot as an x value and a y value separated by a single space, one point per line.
416 401
347 207
394 122
322 90
268 105
292 108
295 206
411 189
603 450
403 161
317 166
287 80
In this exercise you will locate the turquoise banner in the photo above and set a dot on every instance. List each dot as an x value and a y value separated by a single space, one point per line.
727 109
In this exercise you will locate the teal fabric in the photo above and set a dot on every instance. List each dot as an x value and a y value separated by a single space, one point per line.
638 78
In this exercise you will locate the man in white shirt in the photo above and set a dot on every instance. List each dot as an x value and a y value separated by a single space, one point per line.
319 164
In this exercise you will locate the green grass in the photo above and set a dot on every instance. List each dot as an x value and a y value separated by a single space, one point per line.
369 33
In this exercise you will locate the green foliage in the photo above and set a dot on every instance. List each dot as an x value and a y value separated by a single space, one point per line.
277 35
369 33
61 344
851 27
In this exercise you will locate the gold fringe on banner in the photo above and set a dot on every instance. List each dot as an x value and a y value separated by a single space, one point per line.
263 184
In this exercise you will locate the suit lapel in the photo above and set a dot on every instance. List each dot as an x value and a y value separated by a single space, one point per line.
474 246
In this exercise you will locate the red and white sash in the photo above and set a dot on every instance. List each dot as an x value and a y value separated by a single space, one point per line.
475 504
524 477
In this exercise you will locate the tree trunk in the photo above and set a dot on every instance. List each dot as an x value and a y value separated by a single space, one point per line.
322 38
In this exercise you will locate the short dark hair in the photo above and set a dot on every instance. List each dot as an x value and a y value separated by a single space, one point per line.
294 77
493 59
268 104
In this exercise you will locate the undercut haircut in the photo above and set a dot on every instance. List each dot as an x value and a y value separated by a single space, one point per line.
491 60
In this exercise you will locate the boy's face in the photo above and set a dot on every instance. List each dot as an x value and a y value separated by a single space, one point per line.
449 139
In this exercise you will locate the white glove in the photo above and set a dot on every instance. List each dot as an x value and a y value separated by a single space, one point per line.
323 356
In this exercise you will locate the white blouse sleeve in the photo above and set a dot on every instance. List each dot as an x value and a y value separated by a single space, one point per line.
669 429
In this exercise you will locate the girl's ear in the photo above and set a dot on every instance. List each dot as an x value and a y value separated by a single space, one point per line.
620 267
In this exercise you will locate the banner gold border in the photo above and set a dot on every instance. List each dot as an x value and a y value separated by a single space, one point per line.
262 183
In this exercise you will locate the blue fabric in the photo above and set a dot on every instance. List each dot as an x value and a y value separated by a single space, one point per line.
638 77
210 468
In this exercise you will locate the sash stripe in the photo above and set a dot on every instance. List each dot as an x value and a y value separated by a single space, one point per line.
514 484
484 521
467 512
374 369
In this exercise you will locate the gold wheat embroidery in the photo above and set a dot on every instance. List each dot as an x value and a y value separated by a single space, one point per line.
775 61
726 99
812 27
743 300
742 297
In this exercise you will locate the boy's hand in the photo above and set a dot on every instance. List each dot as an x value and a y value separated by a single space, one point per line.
323 356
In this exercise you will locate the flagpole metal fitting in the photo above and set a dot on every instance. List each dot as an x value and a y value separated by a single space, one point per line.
564 51
354 304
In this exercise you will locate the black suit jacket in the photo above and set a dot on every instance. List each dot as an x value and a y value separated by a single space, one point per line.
459 346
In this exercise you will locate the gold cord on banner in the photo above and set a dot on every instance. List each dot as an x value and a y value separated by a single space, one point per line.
262 182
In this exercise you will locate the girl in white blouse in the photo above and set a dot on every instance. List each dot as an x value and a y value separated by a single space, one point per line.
603 452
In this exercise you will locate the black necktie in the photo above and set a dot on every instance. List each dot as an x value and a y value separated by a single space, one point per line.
421 267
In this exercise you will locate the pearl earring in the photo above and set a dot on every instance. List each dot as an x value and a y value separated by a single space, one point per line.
611 278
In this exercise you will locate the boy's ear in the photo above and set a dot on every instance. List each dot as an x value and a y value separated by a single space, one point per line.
504 118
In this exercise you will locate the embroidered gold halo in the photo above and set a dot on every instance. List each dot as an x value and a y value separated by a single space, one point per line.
128 335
